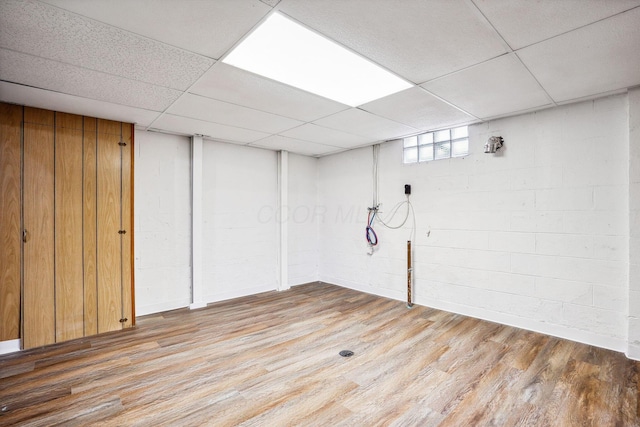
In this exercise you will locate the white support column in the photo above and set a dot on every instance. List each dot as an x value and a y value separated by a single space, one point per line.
197 297
283 191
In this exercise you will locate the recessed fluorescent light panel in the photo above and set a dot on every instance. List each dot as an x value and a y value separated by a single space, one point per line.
284 50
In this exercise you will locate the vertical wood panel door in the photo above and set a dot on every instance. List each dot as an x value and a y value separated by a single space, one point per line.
109 222
69 277
127 225
38 222
10 232
66 231
90 227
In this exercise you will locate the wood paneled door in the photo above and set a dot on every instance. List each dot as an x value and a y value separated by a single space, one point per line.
10 221
65 233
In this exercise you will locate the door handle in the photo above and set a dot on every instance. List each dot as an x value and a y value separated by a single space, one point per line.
25 235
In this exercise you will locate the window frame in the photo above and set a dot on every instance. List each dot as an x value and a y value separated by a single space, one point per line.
432 144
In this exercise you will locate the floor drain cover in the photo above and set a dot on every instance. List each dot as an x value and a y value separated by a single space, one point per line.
346 353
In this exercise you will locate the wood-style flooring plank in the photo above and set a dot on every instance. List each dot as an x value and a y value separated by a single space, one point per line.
272 360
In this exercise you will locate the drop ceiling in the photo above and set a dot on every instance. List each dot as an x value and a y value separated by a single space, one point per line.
158 63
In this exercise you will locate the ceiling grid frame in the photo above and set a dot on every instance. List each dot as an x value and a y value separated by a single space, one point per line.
514 55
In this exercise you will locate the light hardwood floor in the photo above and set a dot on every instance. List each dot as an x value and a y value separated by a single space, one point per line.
272 360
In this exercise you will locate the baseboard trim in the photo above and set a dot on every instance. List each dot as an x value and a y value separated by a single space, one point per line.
197 305
10 346
160 307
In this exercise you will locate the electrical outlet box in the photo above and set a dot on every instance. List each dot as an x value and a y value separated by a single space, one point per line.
407 189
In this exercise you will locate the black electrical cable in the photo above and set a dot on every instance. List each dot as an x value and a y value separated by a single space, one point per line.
372 237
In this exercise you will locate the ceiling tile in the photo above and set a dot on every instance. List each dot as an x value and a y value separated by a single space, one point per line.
307 148
188 126
212 110
419 40
56 76
47 31
271 3
326 136
416 108
359 122
206 27
523 22
489 89
599 58
227 83
34 97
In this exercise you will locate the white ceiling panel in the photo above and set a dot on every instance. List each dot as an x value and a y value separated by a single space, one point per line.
359 122
212 110
42 30
326 136
599 58
418 109
487 90
523 22
154 62
188 126
56 76
206 27
419 40
307 148
34 97
231 84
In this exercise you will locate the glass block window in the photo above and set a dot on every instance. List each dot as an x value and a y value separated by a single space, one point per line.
441 144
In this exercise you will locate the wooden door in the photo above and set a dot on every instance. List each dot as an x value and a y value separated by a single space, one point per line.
90 226
112 295
38 223
66 237
69 289
10 221
127 225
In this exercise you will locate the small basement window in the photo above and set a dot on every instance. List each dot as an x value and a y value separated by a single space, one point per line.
441 144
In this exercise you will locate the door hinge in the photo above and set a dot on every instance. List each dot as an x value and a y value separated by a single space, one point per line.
122 231
124 319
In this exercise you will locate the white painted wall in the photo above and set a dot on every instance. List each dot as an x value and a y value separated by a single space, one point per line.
162 218
543 236
302 216
634 224
536 236
240 240
241 220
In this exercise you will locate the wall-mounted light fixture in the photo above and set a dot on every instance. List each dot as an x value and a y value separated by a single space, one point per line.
494 143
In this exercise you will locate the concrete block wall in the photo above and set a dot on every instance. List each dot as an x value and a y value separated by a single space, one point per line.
302 218
241 220
162 220
634 224
240 244
535 236
542 236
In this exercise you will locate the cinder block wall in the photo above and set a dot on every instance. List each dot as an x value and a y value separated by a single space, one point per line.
240 248
634 224
536 236
302 216
241 219
542 236
162 222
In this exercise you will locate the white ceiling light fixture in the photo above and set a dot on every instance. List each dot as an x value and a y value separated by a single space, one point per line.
284 50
